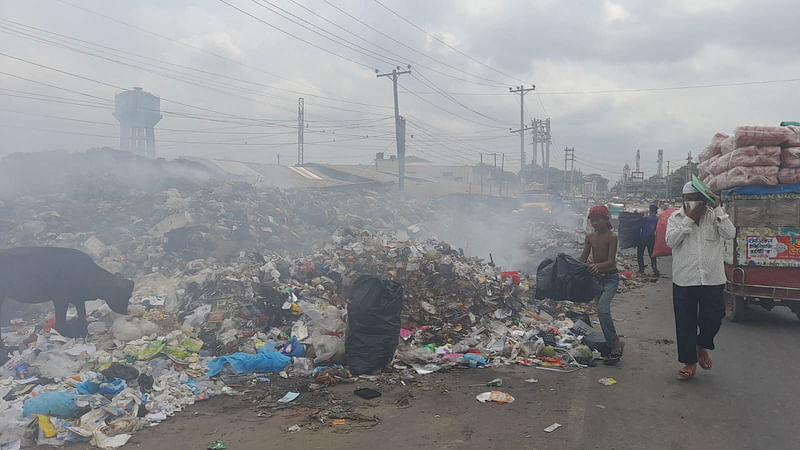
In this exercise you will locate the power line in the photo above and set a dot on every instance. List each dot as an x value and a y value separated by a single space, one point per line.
672 88
401 58
433 36
217 55
495 83
295 36
182 76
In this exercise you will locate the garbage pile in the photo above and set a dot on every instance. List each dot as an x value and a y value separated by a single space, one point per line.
273 315
753 155
234 284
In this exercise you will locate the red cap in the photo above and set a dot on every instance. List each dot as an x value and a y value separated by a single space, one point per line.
599 211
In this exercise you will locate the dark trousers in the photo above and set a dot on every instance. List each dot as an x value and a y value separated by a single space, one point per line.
696 307
649 244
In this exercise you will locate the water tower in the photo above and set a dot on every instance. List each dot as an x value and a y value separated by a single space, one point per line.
138 112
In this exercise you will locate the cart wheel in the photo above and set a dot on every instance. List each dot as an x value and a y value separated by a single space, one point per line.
734 306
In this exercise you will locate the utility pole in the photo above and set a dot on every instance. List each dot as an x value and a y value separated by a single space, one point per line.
300 126
542 139
399 125
521 90
503 172
279 159
481 173
660 172
669 179
569 156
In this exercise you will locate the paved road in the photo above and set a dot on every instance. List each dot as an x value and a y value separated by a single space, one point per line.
748 399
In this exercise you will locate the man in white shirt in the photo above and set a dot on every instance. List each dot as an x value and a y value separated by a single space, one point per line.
696 235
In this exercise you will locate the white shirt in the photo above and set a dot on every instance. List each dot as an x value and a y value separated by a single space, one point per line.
697 250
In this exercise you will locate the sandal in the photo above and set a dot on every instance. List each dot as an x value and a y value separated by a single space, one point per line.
703 358
615 356
687 372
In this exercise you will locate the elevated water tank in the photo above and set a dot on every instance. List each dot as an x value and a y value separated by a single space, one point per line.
138 112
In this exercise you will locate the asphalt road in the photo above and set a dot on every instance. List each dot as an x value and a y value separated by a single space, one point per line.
748 400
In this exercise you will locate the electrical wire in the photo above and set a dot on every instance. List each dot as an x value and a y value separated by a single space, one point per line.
436 38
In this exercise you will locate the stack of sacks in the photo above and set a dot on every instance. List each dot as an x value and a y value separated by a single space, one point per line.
708 158
790 158
752 156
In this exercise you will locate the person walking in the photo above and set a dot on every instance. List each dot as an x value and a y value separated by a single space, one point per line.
647 240
602 246
696 235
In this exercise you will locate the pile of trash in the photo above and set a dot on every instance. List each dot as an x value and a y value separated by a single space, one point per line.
234 283
183 342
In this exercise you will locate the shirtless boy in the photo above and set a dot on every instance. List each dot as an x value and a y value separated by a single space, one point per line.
602 244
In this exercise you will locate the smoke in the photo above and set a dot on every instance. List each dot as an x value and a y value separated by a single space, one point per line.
104 172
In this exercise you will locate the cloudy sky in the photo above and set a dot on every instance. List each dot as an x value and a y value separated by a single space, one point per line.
613 76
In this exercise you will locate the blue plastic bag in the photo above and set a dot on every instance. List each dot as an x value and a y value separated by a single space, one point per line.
294 348
58 404
113 387
266 359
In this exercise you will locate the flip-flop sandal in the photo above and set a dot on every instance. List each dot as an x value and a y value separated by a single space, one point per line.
704 361
614 357
686 374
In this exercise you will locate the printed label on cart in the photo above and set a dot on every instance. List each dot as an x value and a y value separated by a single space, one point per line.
773 247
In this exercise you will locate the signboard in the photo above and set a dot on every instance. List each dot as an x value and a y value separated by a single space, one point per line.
769 246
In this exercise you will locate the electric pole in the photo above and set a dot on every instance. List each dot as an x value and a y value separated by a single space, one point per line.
542 139
521 90
300 125
569 156
399 126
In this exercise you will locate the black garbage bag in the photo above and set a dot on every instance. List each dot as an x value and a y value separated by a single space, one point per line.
574 281
546 280
566 278
629 229
373 318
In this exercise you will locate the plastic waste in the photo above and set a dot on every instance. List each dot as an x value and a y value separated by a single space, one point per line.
327 347
113 388
118 370
553 427
374 320
494 396
264 360
293 348
607 381
57 404
289 397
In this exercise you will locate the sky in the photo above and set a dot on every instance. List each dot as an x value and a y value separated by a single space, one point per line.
612 76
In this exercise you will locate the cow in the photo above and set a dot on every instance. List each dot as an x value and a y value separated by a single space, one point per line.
64 276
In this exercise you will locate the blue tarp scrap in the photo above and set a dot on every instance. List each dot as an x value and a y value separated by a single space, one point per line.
266 359
763 190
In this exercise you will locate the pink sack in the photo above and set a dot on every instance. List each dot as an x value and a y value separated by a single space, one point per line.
705 165
714 149
790 157
727 145
789 175
746 176
760 135
793 137
720 165
755 156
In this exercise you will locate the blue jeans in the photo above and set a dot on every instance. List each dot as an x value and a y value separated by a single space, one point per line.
609 285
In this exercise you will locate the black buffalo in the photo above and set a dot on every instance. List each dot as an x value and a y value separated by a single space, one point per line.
63 276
